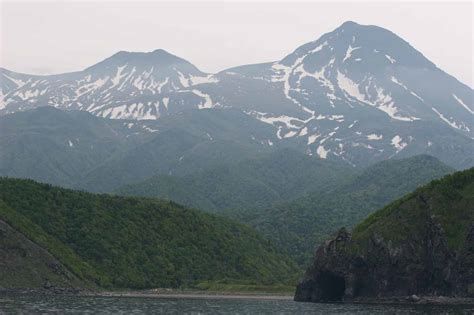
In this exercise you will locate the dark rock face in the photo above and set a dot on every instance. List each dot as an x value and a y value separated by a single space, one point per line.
422 264
465 265
26 265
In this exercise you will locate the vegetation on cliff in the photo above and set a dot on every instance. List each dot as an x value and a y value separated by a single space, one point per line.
422 244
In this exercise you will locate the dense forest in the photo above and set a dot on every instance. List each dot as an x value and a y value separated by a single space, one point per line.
420 244
138 242
293 199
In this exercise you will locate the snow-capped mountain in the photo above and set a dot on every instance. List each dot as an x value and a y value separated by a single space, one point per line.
125 86
357 90
359 93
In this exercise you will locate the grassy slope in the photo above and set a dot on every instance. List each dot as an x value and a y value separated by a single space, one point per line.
138 242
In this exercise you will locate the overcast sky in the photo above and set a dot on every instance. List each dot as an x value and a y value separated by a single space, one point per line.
53 37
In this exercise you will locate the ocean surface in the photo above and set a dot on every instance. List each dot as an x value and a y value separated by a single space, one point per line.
42 304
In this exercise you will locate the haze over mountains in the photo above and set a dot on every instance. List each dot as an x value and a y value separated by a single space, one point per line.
359 94
293 149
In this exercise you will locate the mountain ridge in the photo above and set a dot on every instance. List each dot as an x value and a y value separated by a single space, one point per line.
360 94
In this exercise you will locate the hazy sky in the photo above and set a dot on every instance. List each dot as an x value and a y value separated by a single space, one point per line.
52 37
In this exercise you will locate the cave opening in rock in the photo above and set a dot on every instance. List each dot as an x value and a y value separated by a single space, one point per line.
331 286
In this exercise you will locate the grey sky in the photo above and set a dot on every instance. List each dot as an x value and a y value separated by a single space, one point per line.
53 37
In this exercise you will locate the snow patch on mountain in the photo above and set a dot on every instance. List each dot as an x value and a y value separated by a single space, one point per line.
349 51
207 99
18 82
374 136
398 144
312 139
453 124
303 132
322 152
118 76
349 87
463 104
390 59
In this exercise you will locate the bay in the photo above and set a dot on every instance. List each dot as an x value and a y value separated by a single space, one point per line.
60 304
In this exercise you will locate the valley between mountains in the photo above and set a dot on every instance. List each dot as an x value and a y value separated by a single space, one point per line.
142 171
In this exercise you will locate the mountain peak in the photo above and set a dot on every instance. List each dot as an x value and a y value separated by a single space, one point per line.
374 47
155 54
161 51
157 57
348 24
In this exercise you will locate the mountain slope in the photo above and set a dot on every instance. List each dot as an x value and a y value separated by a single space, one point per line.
421 244
127 85
59 147
360 94
76 149
27 265
185 144
298 225
138 243
253 183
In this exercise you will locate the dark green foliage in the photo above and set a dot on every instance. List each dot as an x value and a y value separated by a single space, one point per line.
300 225
25 264
138 242
253 183
450 200
420 244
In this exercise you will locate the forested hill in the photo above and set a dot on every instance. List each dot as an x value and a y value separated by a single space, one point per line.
298 225
137 242
420 244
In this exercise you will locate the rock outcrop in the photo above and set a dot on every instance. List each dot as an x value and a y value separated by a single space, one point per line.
420 245
26 265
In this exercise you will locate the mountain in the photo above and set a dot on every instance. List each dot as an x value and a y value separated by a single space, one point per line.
126 242
183 144
359 94
420 244
75 149
261 182
127 85
296 226
59 147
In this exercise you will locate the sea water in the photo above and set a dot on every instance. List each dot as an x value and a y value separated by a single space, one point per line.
55 304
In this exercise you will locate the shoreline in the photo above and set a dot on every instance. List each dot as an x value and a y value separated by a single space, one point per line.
216 295
196 295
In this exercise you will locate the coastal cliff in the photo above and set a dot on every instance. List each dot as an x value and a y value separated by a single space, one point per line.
422 244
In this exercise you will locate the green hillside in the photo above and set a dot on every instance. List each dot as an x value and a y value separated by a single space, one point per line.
420 244
297 226
450 200
25 264
138 242
253 183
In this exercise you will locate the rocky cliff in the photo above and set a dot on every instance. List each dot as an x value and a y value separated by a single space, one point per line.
26 265
422 244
